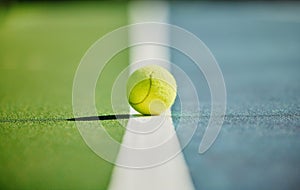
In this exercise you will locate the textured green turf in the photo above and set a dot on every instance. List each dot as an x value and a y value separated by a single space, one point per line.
40 48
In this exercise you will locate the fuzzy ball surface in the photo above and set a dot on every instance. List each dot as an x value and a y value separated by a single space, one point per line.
151 90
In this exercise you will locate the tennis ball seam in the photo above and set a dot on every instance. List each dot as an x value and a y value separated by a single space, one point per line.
149 90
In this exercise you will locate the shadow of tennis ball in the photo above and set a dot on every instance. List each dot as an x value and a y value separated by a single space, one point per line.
151 90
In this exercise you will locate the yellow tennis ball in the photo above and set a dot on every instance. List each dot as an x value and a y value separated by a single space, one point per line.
151 90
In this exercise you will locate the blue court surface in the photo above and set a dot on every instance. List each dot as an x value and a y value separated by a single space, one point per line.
257 46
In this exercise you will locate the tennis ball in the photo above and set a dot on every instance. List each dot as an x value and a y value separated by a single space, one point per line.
151 90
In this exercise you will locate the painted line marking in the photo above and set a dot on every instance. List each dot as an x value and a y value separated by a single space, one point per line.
173 174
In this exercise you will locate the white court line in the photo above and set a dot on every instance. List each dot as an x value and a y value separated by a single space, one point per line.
174 174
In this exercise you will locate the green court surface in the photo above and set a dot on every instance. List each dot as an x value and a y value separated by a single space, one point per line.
40 48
